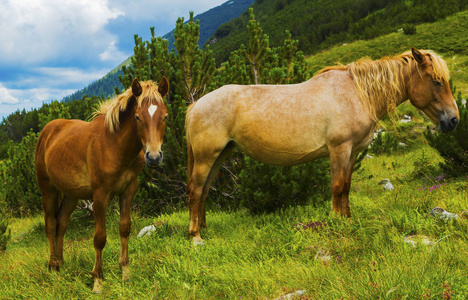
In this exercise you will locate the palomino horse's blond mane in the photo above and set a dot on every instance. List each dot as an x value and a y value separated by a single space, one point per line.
112 108
381 82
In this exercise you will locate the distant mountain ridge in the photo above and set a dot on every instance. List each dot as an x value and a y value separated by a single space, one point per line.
209 22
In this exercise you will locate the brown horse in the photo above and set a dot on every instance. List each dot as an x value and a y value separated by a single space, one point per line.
100 160
333 114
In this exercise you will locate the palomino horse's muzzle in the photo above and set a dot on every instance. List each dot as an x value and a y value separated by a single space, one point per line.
448 123
152 161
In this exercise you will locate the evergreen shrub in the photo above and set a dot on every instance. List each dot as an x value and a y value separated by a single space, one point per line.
267 188
22 195
409 29
5 232
453 146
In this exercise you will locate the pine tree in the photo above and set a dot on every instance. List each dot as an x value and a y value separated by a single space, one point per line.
195 67
258 46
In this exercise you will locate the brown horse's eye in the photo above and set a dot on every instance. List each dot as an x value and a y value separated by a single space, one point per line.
165 118
137 117
437 83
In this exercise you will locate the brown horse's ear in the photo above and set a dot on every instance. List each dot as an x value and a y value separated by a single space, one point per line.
418 56
163 88
136 88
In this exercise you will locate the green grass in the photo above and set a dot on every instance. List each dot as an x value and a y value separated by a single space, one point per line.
264 257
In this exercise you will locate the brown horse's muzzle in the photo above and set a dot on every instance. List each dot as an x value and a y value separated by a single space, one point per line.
152 161
448 123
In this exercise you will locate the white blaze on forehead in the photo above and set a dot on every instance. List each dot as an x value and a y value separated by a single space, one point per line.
152 109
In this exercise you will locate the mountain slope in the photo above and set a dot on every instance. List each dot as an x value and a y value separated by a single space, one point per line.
324 23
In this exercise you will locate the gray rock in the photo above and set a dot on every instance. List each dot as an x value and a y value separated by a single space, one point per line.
292 295
146 230
443 214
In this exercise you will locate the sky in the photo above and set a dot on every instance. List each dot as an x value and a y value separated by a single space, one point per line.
51 48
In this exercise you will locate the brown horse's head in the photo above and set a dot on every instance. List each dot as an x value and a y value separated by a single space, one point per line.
430 90
150 116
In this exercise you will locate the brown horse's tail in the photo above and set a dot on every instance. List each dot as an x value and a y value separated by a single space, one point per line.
189 145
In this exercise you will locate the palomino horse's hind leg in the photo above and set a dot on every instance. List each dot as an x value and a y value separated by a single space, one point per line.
203 173
50 203
206 188
124 228
63 217
100 203
341 165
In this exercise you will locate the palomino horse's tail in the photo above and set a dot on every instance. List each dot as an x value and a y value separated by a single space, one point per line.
189 145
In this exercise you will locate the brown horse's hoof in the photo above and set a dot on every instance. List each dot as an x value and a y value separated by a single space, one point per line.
54 266
126 273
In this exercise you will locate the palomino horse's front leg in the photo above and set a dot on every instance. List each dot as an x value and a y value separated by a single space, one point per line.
100 203
341 166
124 228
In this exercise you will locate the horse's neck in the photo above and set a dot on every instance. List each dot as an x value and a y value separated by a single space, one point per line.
383 111
127 144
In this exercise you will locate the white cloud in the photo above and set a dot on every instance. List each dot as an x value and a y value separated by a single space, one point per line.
6 97
113 54
33 31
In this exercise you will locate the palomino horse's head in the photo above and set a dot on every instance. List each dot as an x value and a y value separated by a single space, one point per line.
150 116
430 90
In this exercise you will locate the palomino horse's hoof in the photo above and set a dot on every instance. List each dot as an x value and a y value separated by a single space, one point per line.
197 241
97 289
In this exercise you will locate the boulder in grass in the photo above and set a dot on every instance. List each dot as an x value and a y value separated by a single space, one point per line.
443 214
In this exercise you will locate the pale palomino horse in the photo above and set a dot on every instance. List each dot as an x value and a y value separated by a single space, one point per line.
100 160
333 114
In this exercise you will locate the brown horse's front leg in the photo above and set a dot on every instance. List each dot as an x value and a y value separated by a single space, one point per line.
100 203
124 228
341 166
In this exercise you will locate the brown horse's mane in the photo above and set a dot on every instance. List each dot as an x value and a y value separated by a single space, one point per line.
112 107
381 82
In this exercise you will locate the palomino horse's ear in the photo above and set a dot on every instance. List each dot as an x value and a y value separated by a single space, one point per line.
163 86
418 56
136 88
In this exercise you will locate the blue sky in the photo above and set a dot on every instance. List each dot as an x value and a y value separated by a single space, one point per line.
51 48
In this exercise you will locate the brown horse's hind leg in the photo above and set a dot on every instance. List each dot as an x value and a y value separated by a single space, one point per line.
100 203
63 217
50 203
124 228
341 165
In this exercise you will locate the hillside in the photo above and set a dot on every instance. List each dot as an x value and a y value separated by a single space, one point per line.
447 37
209 22
321 24
213 18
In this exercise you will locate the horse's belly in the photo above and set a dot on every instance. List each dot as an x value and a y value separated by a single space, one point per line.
281 154
72 185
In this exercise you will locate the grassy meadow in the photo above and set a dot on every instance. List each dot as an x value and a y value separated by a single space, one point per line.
267 256
304 248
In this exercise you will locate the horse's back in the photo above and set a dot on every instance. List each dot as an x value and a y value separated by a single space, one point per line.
283 124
